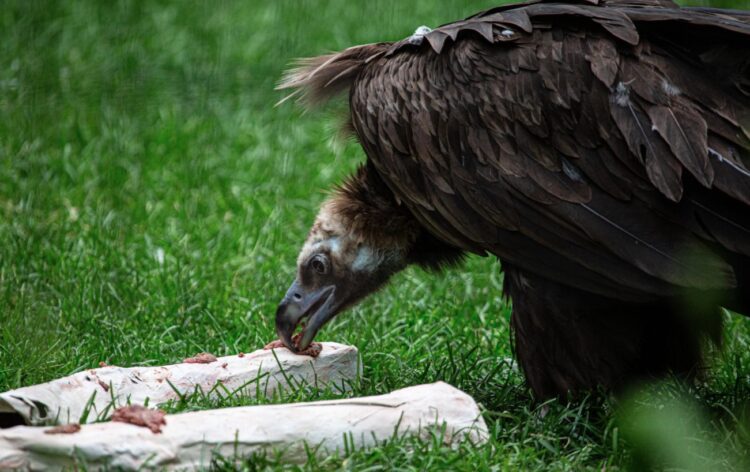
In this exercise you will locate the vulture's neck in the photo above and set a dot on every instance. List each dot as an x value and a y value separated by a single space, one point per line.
366 209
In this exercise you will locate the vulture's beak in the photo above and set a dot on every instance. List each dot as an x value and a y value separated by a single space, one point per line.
318 306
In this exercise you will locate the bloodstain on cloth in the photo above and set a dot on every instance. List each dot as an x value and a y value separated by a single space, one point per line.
141 416
202 358
64 429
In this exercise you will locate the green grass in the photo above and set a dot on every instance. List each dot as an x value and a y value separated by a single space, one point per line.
152 202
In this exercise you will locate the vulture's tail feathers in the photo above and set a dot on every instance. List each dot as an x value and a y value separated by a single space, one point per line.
318 79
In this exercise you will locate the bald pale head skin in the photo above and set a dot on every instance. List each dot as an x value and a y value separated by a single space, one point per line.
333 234
337 266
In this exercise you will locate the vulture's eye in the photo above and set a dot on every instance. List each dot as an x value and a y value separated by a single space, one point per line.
319 264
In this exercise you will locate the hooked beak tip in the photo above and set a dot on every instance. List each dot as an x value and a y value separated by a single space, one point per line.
284 327
316 308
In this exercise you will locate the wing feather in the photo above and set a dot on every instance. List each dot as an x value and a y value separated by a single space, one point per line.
555 137
686 133
575 144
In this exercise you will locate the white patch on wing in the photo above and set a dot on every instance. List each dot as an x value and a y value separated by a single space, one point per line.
418 35
622 95
670 89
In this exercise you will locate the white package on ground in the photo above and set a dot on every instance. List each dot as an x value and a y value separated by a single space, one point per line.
264 371
188 440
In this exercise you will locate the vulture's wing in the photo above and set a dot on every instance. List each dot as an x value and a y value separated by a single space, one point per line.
605 147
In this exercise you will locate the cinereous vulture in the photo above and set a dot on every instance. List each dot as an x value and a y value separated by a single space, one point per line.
600 149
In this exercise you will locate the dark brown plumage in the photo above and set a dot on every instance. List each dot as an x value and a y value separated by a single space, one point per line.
599 149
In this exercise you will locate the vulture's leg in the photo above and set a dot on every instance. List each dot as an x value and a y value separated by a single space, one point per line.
569 341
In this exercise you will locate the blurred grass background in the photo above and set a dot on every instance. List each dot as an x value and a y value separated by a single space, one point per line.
153 199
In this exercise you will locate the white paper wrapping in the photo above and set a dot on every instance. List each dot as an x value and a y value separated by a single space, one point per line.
65 400
189 439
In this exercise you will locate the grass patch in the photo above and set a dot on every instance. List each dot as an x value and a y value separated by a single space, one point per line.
152 202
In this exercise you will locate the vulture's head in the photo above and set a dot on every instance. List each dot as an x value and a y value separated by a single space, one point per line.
359 239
